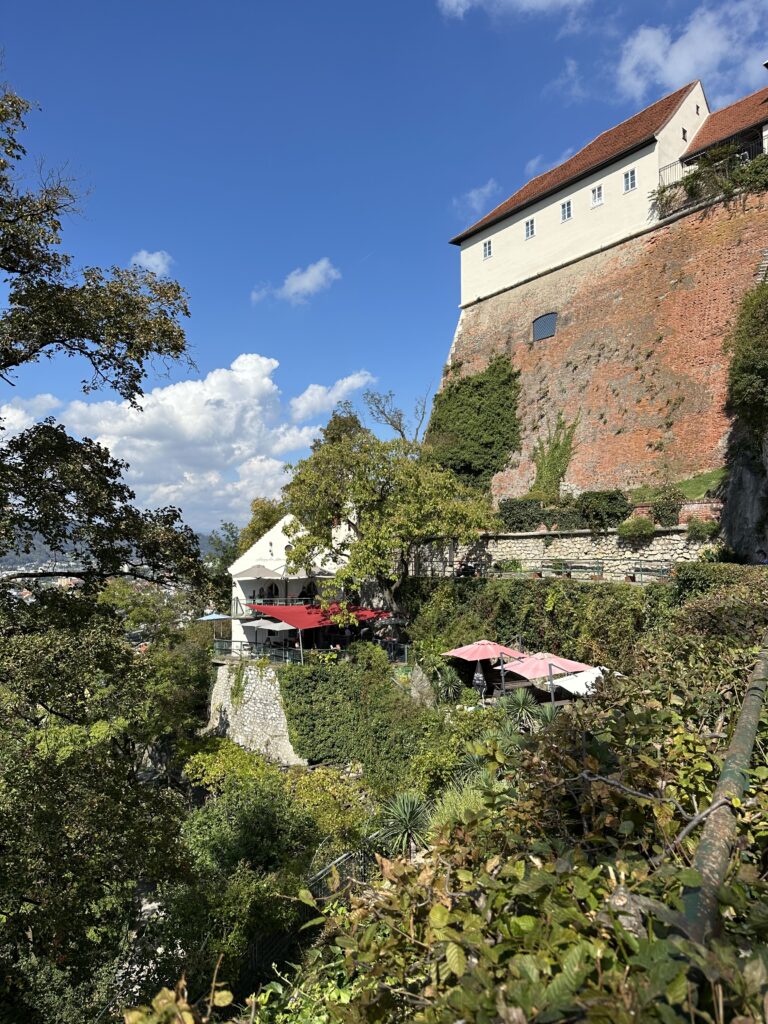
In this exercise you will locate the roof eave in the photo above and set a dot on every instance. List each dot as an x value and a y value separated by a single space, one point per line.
476 229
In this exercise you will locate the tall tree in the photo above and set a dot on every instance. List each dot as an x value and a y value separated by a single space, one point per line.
86 721
371 504
265 513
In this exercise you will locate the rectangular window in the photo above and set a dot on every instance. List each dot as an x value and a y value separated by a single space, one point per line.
597 195
685 135
487 249
530 227
565 210
630 180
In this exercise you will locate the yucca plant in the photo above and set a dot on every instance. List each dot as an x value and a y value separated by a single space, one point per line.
522 708
547 714
405 823
448 685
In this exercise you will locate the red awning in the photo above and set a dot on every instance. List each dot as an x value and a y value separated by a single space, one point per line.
310 616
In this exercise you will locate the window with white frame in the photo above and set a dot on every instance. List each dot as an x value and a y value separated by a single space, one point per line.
597 195
530 227
566 211
630 180
487 249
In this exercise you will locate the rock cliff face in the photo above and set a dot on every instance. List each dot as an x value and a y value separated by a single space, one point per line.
637 357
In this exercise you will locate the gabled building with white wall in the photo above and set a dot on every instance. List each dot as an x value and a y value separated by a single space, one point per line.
602 195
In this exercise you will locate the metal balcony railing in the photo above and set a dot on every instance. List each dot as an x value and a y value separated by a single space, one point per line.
396 652
742 153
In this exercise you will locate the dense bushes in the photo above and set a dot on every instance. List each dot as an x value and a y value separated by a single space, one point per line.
564 885
702 529
594 622
592 510
474 427
748 372
636 529
666 506
352 711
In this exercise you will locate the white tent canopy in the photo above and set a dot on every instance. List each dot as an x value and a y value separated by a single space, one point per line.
275 627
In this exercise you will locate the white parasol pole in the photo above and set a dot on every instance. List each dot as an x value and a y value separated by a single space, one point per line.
551 682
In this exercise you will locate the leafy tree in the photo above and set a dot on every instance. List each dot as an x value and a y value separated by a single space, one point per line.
265 513
89 807
371 504
474 426
224 548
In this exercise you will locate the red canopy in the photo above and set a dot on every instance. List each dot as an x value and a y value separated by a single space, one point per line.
536 666
483 650
311 616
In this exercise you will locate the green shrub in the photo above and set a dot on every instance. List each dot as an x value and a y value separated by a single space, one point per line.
702 529
521 515
665 508
474 427
636 528
753 176
352 711
601 510
748 372
508 565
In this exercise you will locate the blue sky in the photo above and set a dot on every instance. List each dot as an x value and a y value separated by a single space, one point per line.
299 167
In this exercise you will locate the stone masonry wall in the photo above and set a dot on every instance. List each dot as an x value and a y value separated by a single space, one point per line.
638 354
619 557
258 721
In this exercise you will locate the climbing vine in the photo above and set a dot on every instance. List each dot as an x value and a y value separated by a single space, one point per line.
474 426
748 372
552 458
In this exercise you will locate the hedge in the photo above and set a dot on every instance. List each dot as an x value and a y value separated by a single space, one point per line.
352 711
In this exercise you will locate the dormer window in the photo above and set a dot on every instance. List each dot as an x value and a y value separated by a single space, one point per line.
487 249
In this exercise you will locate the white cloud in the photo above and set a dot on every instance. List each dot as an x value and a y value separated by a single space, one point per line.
300 284
207 445
458 8
568 83
477 201
259 292
318 398
158 262
20 413
722 44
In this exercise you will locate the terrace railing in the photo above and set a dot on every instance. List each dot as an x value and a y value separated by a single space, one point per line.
397 653
741 154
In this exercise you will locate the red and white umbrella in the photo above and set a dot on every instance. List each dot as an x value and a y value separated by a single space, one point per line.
537 666
485 650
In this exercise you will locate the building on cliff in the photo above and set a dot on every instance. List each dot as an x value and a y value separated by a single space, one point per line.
615 315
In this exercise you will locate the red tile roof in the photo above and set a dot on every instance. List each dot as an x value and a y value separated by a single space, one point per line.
725 123
637 131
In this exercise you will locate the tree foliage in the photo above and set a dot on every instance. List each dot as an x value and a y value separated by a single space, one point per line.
265 513
748 371
474 427
370 505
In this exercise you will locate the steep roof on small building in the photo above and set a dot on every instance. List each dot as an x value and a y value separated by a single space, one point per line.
724 124
631 134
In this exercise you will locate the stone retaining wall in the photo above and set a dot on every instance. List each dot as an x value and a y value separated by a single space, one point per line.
619 557
257 722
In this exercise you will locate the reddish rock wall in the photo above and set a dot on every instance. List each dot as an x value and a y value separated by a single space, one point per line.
638 355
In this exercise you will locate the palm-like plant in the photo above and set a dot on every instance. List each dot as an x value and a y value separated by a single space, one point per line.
547 714
405 823
522 708
448 685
